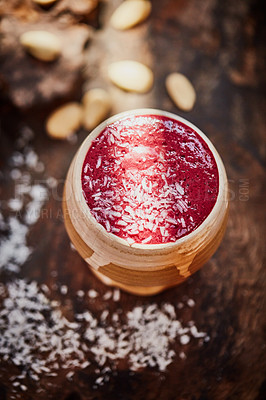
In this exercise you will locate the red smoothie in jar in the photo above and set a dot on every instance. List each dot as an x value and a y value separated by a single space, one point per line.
149 179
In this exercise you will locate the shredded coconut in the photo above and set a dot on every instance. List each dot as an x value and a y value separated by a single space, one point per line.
34 333
36 336
92 294
14 250
191 303
25 207
64 289
116 295
162 177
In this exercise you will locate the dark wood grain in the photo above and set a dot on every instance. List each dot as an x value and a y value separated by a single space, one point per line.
31 83
220 47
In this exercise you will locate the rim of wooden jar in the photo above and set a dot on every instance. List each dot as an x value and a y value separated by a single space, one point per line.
110 237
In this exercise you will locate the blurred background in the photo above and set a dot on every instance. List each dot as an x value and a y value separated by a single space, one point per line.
220 48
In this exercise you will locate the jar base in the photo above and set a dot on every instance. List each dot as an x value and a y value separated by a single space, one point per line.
137 290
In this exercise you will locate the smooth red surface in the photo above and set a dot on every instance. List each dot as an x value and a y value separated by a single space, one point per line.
149 179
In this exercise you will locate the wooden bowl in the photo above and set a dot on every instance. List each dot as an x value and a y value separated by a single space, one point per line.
140 268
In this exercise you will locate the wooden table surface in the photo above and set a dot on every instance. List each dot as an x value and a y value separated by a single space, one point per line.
219 46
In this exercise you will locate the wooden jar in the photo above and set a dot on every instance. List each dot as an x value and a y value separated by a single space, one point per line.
143 269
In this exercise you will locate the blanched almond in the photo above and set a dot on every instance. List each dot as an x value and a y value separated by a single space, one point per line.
130 13
64 121
44 2
131 75
181 91
96 107
41 44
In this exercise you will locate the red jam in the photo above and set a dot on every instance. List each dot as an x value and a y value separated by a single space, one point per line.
149 179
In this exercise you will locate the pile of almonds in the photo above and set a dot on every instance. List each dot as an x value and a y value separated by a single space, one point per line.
128 75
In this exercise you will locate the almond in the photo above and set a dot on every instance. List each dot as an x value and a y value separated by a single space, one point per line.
64 121
96 107
131 75
44 2
41 44
130 13
181 91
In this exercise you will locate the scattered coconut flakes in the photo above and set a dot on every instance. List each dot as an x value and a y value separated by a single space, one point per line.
26 134
39 167
39 339
39 195
51 182
191 303
107 295
15 174
63 289
13 248
15 204
184 339
116 295
35 336
69 375
92 293
73 248
104 315
45 288
17 159
195 333
27 203
31 159
100 380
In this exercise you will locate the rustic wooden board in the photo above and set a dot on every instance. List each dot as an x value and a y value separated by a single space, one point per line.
220 47
31 83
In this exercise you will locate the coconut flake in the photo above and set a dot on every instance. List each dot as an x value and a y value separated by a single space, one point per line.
99 161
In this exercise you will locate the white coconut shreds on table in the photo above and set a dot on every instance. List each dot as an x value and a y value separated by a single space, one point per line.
24 208
35 336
